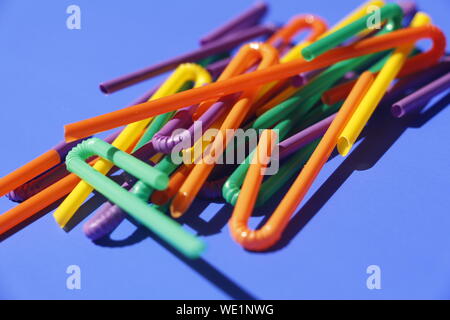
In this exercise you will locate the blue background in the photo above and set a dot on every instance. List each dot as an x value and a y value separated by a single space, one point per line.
387 204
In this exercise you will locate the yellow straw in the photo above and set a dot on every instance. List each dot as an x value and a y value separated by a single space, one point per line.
185 72
378 89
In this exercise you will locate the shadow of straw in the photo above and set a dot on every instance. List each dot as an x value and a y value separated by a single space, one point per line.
375 144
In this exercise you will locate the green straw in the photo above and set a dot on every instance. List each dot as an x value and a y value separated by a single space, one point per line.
159 223
388 11
231 188
311 93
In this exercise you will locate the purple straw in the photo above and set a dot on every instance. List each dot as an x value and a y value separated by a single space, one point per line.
419 79
417 100
110 216
304 137
164 142
219 46
409 9
246 19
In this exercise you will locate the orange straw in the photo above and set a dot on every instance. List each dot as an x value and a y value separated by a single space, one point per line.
27 172
40 201
43 199
271 232
161 197
249 192
250 80
190 188
299 23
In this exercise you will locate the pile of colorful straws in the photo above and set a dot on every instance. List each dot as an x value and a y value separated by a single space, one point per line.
304 99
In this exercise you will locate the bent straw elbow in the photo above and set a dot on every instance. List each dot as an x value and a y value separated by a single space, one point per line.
230 192
163 226
104 222
254 240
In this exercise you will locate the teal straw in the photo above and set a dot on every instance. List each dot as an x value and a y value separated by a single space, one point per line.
159 223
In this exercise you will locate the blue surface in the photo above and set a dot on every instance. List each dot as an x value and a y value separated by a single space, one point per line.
387 204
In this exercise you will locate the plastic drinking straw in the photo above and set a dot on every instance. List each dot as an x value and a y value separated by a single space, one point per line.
284 36
184 73
358 13
378 90
35 167
175 182
96 147
232 187
340 92
418 99
291 96
38 202
305 98
388 11
246 19
110 216
279 40
166 228
46 197
293 144
248 195
270 233
366 40
45 179
162 119
189 156
409 9
408 80
219 46
165 143
295 52
245 81
237 114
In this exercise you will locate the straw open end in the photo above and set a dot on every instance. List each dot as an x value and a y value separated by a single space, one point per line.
397 111
103 88
179 205
161 181
67 136
307 54
344 146
61 220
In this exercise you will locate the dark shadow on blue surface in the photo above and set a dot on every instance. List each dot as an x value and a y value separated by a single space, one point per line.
92 204
208 228
88 207
375 144
201 266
